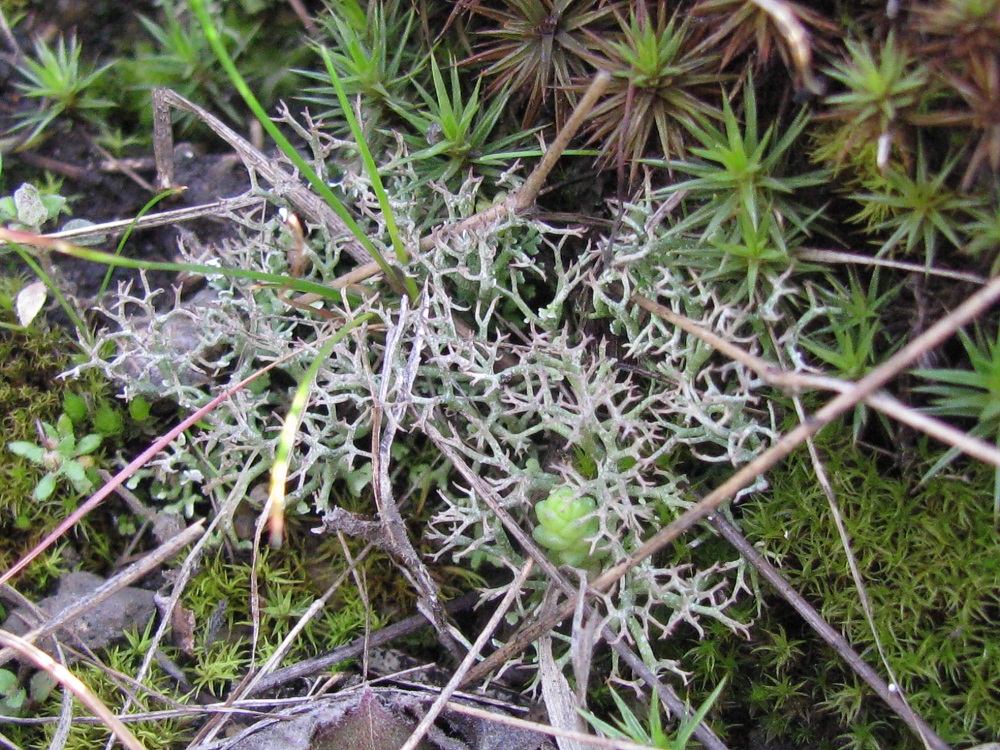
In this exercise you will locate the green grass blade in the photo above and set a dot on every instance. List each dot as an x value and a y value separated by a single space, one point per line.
128 233
687 727
71 313
370 167
212 34
279 470
47 244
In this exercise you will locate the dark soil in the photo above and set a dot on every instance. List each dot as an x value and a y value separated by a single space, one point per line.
98 186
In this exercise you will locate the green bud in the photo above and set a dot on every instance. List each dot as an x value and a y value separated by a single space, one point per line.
567 526
74 406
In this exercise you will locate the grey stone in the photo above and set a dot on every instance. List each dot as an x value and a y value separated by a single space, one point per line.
97 628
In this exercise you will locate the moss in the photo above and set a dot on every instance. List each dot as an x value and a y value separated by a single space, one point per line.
929 559
109 682
30 360
218 598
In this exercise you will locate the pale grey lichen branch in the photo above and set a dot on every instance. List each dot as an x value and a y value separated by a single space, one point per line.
535 403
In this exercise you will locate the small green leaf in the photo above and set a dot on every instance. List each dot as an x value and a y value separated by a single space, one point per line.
30 451
75 472
12 695
54 205
7 681
45 487
8 211
552 540
67 446
107 420
88 444
687 727
41 685
138 409
64 427
74 406
30 210
358 479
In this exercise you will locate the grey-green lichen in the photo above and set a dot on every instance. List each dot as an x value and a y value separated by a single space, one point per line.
557 399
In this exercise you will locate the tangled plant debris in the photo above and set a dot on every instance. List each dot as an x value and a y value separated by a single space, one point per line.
562 404
555 411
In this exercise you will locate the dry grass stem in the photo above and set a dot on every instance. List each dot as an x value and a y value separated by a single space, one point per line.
794 381
355 649
534 726
162 218
838 257
794 31
477 647
966 312
284 184
387 418
46 663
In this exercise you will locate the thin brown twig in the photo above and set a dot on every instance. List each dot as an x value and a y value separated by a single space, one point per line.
61 168
303 14
361 584
839 257
162 218
387 418
902 706
163 142
477 647
966 312
121 165
356 648
794 381
525 196
61 735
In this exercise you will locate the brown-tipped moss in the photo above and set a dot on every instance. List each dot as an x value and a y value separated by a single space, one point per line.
663 83
539 48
